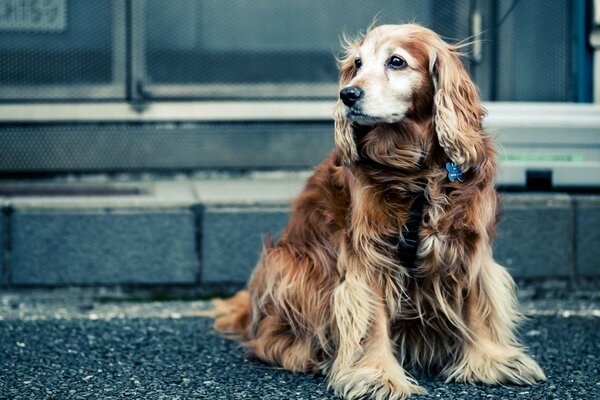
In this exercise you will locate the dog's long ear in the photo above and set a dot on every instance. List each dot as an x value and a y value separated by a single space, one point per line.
344 132
457 110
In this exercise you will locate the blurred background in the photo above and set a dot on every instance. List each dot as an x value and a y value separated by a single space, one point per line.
66 65
148 147
97 96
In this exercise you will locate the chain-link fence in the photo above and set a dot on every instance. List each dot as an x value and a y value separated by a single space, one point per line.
59 49
533 51
136 52
223 49
264 49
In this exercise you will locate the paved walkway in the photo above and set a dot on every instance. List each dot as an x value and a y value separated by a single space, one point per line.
80 349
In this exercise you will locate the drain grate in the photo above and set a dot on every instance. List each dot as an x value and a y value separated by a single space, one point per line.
68 190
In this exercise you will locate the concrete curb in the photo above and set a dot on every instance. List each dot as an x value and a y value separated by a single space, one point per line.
536 235
587 236
209 232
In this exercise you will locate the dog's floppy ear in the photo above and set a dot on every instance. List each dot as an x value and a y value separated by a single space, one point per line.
457 110
344 131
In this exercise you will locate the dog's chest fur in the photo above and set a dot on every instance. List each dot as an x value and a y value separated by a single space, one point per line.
420 294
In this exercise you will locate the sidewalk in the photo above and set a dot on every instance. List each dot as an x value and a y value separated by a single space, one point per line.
207 232
75 347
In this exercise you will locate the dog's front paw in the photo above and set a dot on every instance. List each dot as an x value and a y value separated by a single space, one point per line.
376 384
509 365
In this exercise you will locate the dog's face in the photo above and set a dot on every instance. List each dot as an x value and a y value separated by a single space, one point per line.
387 77
401 74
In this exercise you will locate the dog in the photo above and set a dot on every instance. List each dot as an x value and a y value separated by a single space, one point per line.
386 262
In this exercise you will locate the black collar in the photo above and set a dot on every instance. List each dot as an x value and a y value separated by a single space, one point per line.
407 246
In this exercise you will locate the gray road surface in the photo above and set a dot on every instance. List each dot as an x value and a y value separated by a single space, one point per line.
158 351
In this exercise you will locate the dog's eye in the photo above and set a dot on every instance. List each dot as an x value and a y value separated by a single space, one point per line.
396 62
357 63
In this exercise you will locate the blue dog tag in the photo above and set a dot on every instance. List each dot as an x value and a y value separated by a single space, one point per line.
454 172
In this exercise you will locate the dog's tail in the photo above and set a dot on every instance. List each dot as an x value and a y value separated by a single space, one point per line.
232 316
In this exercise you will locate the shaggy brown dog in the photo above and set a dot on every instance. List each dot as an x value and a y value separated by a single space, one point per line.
345 290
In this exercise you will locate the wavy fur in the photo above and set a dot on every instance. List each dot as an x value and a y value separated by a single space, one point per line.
330 296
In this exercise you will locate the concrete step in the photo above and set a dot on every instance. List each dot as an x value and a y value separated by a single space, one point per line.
208 232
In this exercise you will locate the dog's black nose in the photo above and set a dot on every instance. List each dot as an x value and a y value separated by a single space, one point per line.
350 95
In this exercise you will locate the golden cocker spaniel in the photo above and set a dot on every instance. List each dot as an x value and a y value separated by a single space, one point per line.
386 262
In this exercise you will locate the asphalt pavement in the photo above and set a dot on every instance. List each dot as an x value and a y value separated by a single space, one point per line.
159 350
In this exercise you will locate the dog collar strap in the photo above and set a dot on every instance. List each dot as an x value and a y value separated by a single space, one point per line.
454 172
407 246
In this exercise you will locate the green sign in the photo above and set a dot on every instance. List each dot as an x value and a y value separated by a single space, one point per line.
542 157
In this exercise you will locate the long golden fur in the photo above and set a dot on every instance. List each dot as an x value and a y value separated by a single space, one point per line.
331 296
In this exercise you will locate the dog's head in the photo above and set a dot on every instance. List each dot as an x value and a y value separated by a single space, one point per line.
400 73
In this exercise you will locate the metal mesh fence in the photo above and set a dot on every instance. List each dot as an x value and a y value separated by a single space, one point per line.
54 49
154 50
236 48
533 51
113 147
198 49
